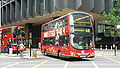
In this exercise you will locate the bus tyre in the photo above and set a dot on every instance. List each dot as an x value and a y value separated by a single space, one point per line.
45 53
59 55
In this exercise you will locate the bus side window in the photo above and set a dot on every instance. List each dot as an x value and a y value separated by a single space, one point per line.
64 20
63 41
45 41
23 34
49 41
14 35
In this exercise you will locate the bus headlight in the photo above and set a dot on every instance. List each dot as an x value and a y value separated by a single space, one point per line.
72 53
79 53
14 48
92 54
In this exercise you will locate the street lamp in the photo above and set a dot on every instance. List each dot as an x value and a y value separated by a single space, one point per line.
115 40
114 45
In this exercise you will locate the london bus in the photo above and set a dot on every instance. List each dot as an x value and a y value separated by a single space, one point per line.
71 35
13 34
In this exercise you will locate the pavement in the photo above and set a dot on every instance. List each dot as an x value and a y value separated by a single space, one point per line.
103 59
107 52
26 54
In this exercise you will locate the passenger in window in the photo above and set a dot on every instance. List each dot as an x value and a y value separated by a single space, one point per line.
56 43
60 24
81 43
14 35
23 34
91 44
65 41
56 25
56 38
87 46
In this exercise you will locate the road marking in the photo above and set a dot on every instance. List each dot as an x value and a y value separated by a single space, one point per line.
40 64
112 59
94 64
11 65
65 66
104 61
6 63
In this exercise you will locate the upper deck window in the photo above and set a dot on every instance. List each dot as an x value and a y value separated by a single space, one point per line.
81 19
55 24
80 23
18 33
5 31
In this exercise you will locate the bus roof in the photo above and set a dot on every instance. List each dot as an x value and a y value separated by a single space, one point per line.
66 15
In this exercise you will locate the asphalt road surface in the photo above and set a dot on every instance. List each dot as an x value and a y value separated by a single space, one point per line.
99 61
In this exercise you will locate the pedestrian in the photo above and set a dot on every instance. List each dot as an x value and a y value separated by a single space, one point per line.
39 46
91 43
8 46
21 46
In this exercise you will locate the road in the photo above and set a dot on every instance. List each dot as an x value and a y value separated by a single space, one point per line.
100 61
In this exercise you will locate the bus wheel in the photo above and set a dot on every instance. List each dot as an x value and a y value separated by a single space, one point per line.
59 54
45 52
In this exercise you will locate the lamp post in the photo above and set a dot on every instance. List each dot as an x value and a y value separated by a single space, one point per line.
30 41
17 38
115 40
114 45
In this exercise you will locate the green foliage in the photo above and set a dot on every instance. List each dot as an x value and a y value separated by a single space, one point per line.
114 15
109 30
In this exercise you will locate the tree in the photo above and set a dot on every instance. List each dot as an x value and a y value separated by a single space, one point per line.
114 16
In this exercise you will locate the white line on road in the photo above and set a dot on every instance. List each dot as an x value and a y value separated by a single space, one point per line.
112 59
65 66
11 65
94 64
40 64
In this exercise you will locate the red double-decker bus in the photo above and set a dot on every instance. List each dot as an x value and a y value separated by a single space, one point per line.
13 34
71 35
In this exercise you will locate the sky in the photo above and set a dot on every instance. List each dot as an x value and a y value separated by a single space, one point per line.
118 26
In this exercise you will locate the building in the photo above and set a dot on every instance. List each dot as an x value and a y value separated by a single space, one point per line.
32 13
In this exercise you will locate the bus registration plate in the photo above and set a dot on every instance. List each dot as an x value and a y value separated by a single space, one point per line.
82 56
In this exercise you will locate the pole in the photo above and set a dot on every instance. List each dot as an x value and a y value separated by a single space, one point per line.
105 47
100 47
115 50
30 41
30 49
115 34
111 47
17 39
